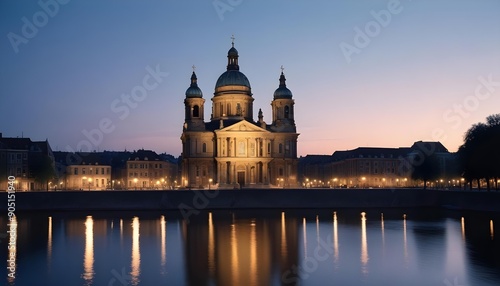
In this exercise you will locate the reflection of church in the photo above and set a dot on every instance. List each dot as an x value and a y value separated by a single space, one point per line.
232 149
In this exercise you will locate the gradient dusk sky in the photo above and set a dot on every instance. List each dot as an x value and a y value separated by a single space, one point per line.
363 73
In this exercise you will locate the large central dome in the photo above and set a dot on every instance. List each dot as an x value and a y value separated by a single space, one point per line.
232 76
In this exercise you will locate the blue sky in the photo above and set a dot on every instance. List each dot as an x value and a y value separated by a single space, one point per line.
412 70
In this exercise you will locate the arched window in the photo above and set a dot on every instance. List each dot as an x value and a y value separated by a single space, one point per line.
204 147
196 111
238 109
280 149
287 111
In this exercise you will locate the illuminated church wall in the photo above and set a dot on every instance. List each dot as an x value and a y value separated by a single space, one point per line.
232 150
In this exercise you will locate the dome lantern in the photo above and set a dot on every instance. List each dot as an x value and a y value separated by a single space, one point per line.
193 90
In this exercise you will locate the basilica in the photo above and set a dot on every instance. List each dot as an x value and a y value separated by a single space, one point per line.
232 150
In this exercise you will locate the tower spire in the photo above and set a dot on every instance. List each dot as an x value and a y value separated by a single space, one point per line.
282 78
232 57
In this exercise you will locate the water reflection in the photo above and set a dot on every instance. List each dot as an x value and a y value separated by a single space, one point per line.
364 245
234 255
283 236
163 241
462 220
241 250
491 229
382 227
49 241
405 242
136 254
88 258
211 246
304 231
335 238
256 248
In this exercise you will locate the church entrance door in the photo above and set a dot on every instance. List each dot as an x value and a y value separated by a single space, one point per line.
241 179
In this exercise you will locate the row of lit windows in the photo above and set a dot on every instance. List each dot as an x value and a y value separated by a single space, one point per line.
94 182
91 171
135 174
144 166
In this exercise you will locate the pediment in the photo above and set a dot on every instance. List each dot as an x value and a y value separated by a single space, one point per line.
242 126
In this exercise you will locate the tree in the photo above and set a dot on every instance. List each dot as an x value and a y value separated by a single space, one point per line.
426 169
42 169
480 153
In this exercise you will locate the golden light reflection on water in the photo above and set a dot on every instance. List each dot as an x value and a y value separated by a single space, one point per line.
382 226
364 245
492 233
88 258
49 241
304 230
253 254
463 227
335 238
317 229
211 246
405 242
234 255
136 254
163 241
121 230
284 252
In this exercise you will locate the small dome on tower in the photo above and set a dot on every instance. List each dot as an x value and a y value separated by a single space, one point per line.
194 91
232 52
282 91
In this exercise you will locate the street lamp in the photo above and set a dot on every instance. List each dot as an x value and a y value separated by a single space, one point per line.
112 184
135 182
209 183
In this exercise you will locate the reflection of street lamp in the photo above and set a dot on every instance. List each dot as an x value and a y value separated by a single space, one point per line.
135 182
209 183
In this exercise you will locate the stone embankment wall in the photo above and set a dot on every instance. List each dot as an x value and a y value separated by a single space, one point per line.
252 199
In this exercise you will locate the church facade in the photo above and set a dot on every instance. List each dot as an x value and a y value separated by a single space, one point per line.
232 150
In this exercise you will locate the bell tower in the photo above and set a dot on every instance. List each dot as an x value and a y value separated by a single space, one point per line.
194 106
283 107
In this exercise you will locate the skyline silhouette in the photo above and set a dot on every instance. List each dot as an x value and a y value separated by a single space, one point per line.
382 74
